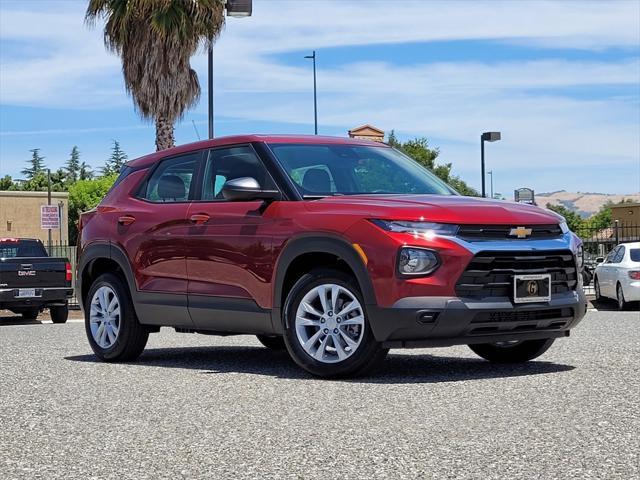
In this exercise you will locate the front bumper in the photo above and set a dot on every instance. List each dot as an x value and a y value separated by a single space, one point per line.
445 321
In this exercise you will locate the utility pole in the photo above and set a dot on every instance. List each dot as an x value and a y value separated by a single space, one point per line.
210 85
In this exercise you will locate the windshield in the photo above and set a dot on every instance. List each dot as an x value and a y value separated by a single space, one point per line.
322 170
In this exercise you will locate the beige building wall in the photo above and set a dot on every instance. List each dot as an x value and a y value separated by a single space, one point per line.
20 215
628 214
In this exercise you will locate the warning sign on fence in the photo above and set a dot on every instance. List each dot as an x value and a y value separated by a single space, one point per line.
49 217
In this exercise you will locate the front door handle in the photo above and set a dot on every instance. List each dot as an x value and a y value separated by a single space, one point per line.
200 218
126 220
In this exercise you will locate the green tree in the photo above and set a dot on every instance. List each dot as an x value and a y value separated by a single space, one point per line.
574 221
421 152
85 195
6 183
36 164
116 160
155 40
85 172
72 167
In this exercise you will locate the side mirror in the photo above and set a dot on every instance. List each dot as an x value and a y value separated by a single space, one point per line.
599 260
245 189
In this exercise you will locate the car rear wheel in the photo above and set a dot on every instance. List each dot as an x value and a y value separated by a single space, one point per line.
274 342
112 327
59 314
30 313
326 327
512 352
622 303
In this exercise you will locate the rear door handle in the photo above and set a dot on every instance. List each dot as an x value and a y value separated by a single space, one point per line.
200 218
126 220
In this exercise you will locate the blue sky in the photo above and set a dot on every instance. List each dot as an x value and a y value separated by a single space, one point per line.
560 80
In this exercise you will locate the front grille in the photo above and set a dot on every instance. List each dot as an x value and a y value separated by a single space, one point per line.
476 233
490 274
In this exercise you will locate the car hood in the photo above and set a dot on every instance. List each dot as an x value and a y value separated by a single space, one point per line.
436 208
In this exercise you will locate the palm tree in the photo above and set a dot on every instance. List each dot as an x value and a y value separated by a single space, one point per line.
156 39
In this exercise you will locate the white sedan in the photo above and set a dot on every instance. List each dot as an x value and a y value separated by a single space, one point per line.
618 277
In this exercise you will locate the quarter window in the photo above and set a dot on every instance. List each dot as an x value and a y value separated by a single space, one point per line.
171 182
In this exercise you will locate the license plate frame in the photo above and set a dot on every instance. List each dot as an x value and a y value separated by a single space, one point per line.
26 293
533 288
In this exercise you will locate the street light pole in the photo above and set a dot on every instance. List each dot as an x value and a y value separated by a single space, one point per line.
490 172
236 9
486 137
315 93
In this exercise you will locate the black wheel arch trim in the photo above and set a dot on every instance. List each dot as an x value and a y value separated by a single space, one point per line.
318 243
105 250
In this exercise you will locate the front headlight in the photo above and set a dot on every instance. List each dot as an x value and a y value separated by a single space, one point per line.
422 229
417 261
580 257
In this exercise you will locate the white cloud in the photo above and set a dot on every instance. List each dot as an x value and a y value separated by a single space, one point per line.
451 101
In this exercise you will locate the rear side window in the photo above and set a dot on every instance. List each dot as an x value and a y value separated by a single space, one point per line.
22 248
634 253
172 180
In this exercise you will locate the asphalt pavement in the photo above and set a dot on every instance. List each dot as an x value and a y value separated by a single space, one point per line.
197 406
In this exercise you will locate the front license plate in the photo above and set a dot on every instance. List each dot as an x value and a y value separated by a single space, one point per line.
26 292
532 288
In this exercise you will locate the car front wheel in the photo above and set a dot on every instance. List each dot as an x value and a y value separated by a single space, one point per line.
112 327
326 326
512 352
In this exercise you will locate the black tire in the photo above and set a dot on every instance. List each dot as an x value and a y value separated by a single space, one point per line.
514 353
30 313
59 314
368 353
622 303
596 287
132 337
273 342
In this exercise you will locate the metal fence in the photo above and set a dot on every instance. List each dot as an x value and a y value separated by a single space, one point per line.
69 252
599 240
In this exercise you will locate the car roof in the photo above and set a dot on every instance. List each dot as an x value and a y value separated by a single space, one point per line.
239 139
631 244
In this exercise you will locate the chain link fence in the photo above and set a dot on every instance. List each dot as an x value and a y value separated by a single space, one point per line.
68 252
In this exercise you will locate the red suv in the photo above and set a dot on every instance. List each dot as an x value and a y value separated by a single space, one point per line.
335 249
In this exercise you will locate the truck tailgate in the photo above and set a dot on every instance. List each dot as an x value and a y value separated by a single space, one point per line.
31 272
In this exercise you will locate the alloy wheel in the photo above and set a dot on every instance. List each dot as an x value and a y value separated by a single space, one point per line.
330 323
104 317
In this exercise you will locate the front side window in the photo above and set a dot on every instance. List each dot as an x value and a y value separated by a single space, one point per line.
171 182
612 255
620 255
224 164
322 170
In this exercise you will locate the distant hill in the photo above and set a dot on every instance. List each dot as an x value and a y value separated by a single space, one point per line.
584 204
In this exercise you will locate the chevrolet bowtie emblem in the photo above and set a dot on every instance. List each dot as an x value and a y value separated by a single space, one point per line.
520 232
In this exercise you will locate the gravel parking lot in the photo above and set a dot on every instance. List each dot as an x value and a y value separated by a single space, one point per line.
208 407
